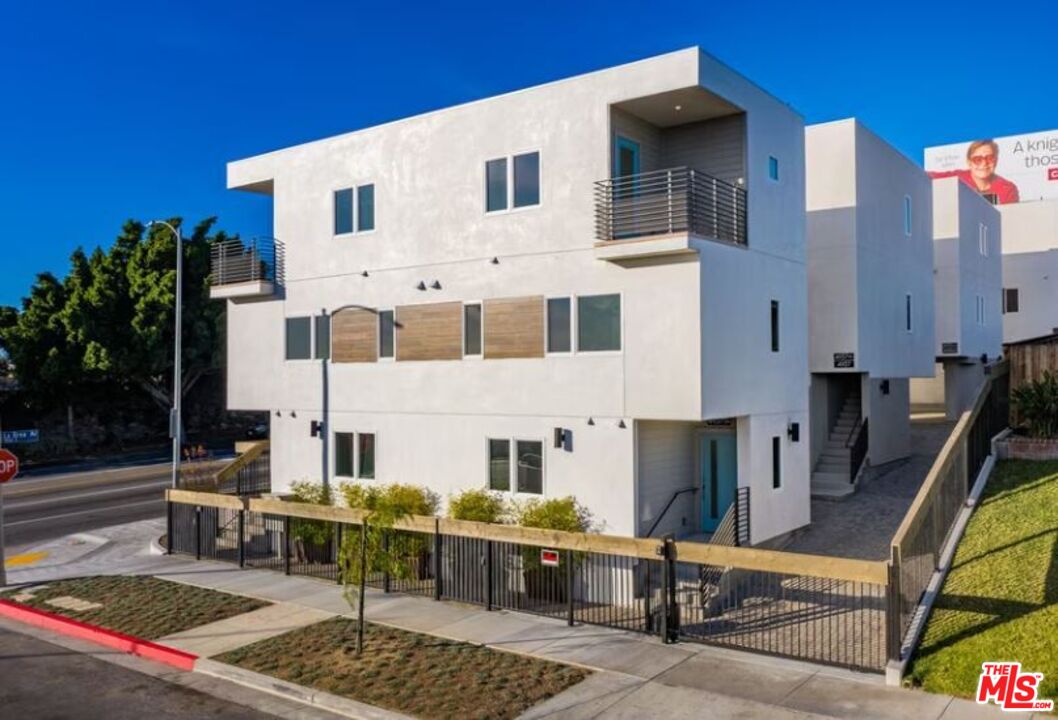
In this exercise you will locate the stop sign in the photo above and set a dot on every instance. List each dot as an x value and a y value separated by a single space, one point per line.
8 465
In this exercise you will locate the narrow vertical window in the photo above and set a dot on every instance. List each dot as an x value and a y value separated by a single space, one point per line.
500 465
365 455
365 208
907 215
983 238
343 211
527 179
773 168
907 312
775 326
472 329
343 454
558 325
298 338
530 457
496 185
776 463
1010 300
323 337
385 334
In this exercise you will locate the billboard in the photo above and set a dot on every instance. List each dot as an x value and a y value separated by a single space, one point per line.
1011 169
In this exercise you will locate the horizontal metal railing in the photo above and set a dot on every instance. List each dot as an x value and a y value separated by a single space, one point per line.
669 201
239 261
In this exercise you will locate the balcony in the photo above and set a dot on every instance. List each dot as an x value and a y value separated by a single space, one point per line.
656 213
244 268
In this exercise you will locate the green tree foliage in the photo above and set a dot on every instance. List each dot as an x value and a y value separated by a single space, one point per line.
479 505
1036 404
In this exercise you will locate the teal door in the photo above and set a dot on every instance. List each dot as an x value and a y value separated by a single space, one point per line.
625 157
719 473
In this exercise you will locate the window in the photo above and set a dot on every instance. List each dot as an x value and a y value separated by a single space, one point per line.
343 211
558 325
343 454
299 338
363 219
354 450
496 185
907 215
776 463
365 455
775 326
500 465
385 334
773 168
982 238
907 313
512 182
530 459
365 208
598 323
980 309
1010 300
323 337
472 329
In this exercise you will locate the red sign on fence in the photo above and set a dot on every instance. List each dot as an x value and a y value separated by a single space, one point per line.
8 465
549 558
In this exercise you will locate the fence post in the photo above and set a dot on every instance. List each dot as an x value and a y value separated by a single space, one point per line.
168 528
437 559
892 609
569 588
242 538
648 621
286 544
198 532
670 613
385 549
488 575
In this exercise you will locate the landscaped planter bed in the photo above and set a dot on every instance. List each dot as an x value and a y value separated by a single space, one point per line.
408 672
1018 447
142 606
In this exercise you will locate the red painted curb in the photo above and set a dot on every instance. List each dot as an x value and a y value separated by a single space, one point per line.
99 635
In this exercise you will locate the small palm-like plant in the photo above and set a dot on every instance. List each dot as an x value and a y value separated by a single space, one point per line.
1036 404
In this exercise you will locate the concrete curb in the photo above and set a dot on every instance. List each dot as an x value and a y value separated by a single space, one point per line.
155 547
316 698
98 635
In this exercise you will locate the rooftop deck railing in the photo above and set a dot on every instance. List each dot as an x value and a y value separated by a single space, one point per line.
240 261
670 201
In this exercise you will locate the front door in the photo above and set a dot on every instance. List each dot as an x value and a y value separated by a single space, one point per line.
718 463
626 157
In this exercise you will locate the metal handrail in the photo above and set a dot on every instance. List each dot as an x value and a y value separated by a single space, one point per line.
239 261
672 499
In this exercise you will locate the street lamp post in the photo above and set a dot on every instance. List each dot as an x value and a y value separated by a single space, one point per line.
174 415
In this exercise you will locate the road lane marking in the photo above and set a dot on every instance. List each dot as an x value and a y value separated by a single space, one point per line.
84 512
64 498
25 558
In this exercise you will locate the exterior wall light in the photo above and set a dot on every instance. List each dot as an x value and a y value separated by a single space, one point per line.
793 431
495 261
364 274
436 284
421 285
621 424
591 421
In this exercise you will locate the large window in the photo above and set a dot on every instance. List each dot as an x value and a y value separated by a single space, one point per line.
472 329
385 334
512 182
299 338
526 466
559 335
359 215
500 465
598 323
323 337
354 455
1011 301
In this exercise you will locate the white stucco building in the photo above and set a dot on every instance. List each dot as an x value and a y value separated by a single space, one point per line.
967 281
1030 269
595 287
870 280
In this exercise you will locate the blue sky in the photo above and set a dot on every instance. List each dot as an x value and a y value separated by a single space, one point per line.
114 110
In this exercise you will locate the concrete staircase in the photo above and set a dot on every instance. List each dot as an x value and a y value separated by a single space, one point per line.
830 477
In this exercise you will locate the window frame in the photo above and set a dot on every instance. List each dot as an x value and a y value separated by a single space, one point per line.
773 164
512 468
572 326
979 304
575 323
312 337
1007 303
355 189
775 322
510 207
378 350
982 239
489 439
354 455
908 216
316 336
777 483
481 330
909 313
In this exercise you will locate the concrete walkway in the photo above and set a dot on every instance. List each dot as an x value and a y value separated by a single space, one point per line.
636 676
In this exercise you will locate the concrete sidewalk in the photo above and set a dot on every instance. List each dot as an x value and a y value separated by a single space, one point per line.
637 676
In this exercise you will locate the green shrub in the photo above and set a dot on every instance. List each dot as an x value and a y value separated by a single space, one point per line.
555 514
311 532
399 498
1036 404
479 505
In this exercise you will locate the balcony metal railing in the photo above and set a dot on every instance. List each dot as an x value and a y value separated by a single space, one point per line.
240 261
670 201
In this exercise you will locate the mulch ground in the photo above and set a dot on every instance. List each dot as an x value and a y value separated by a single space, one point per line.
408 672
143 606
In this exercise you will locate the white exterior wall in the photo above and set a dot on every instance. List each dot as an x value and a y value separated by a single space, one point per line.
889 414
1035 275
1030 226
861 263
694 333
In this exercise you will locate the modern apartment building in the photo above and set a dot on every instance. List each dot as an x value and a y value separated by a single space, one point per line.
595 287
1030 269
967 281
870 280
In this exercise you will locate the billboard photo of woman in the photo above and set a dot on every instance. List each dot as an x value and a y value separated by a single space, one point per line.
980 174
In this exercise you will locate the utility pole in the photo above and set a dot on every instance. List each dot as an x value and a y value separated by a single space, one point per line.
3 559
174 415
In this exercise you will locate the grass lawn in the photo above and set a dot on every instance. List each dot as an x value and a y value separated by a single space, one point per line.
1000 601
143 606
411 673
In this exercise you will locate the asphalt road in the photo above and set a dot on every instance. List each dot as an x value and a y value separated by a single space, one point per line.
48 682
43 507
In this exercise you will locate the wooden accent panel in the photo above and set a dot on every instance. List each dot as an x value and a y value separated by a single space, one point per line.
354 336
205 499
430 332
514 327
777 561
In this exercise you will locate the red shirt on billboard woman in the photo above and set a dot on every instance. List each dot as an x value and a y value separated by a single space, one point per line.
982 156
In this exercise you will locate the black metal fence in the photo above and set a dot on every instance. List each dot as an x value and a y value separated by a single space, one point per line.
253 478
